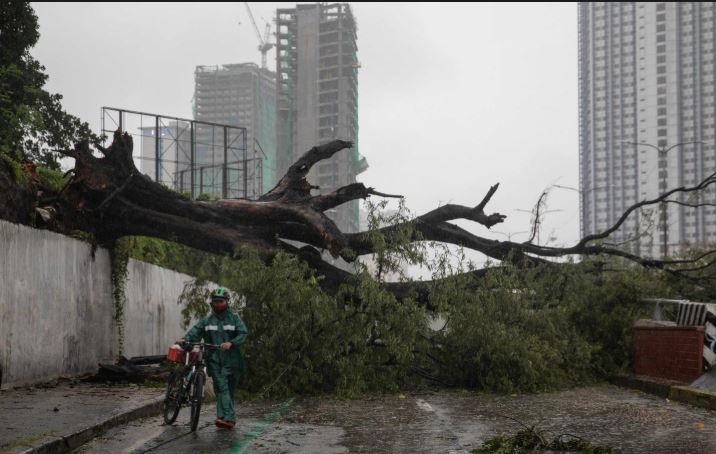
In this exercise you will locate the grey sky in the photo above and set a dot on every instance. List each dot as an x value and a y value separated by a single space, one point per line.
453 97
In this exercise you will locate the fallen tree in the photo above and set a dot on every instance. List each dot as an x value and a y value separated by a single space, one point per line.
533 323
528 323
108 198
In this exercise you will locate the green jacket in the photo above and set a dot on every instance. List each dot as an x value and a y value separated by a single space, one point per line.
217 329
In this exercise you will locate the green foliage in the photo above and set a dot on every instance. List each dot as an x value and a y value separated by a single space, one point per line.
538 329
605 307
32 121
206 197
177 257
14 166
119 256
52 179
513 330
403 247
530 440
302 340
194 297
703 267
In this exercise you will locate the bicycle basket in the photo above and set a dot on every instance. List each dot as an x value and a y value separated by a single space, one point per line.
175 354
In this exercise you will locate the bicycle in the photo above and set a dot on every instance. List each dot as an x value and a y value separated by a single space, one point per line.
186 383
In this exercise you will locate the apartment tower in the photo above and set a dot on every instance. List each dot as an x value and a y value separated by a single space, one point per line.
647 121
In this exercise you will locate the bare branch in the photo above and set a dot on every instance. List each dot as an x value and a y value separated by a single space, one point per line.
481 206
691 205
345 194
450 212
536 222
693 260
711 179
696 268
293 186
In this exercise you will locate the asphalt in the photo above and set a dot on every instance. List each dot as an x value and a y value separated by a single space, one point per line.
62 416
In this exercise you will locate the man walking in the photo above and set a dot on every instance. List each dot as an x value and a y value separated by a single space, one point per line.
225 328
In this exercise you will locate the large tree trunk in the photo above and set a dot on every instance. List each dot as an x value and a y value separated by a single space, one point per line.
109 198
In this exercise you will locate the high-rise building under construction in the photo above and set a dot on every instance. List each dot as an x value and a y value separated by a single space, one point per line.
240 95
317 96
647 120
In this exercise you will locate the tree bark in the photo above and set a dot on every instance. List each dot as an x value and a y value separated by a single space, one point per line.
109 198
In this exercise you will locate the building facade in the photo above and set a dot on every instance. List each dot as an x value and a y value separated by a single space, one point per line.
647 121
240 95
317 96
164 152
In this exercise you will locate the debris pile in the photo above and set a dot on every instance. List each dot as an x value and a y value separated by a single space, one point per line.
139 369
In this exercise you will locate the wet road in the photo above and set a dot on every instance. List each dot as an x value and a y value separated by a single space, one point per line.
451 422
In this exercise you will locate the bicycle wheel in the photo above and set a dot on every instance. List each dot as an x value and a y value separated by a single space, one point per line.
197 394
174 396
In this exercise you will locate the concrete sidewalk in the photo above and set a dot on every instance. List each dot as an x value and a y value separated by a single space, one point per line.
59 417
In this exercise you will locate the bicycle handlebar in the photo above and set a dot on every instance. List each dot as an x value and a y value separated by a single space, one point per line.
201 344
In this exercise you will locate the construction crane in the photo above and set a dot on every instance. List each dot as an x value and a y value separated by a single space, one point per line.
264 44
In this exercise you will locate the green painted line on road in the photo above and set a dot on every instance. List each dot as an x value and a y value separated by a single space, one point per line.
259 429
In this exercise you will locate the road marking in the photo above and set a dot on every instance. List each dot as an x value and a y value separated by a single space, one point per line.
443 423
259 429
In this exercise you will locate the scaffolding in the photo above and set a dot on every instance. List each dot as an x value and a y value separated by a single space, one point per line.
286 75
189 156
317 95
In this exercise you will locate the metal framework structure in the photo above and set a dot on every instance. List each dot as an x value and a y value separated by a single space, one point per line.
241 95
189 156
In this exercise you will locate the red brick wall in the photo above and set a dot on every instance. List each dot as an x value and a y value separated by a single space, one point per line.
674 353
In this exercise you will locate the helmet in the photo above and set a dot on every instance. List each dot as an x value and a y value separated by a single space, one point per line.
220 293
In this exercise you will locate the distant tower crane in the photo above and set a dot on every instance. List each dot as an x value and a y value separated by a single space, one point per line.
264 44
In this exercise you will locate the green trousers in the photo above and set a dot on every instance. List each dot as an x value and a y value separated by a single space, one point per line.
226 380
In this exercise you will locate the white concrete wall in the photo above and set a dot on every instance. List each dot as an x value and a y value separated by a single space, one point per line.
153 318
56 308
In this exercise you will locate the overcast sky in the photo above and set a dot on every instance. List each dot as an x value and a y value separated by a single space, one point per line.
452 97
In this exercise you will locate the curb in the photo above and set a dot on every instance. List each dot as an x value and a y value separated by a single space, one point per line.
697 397
66 443
672 391
655 387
